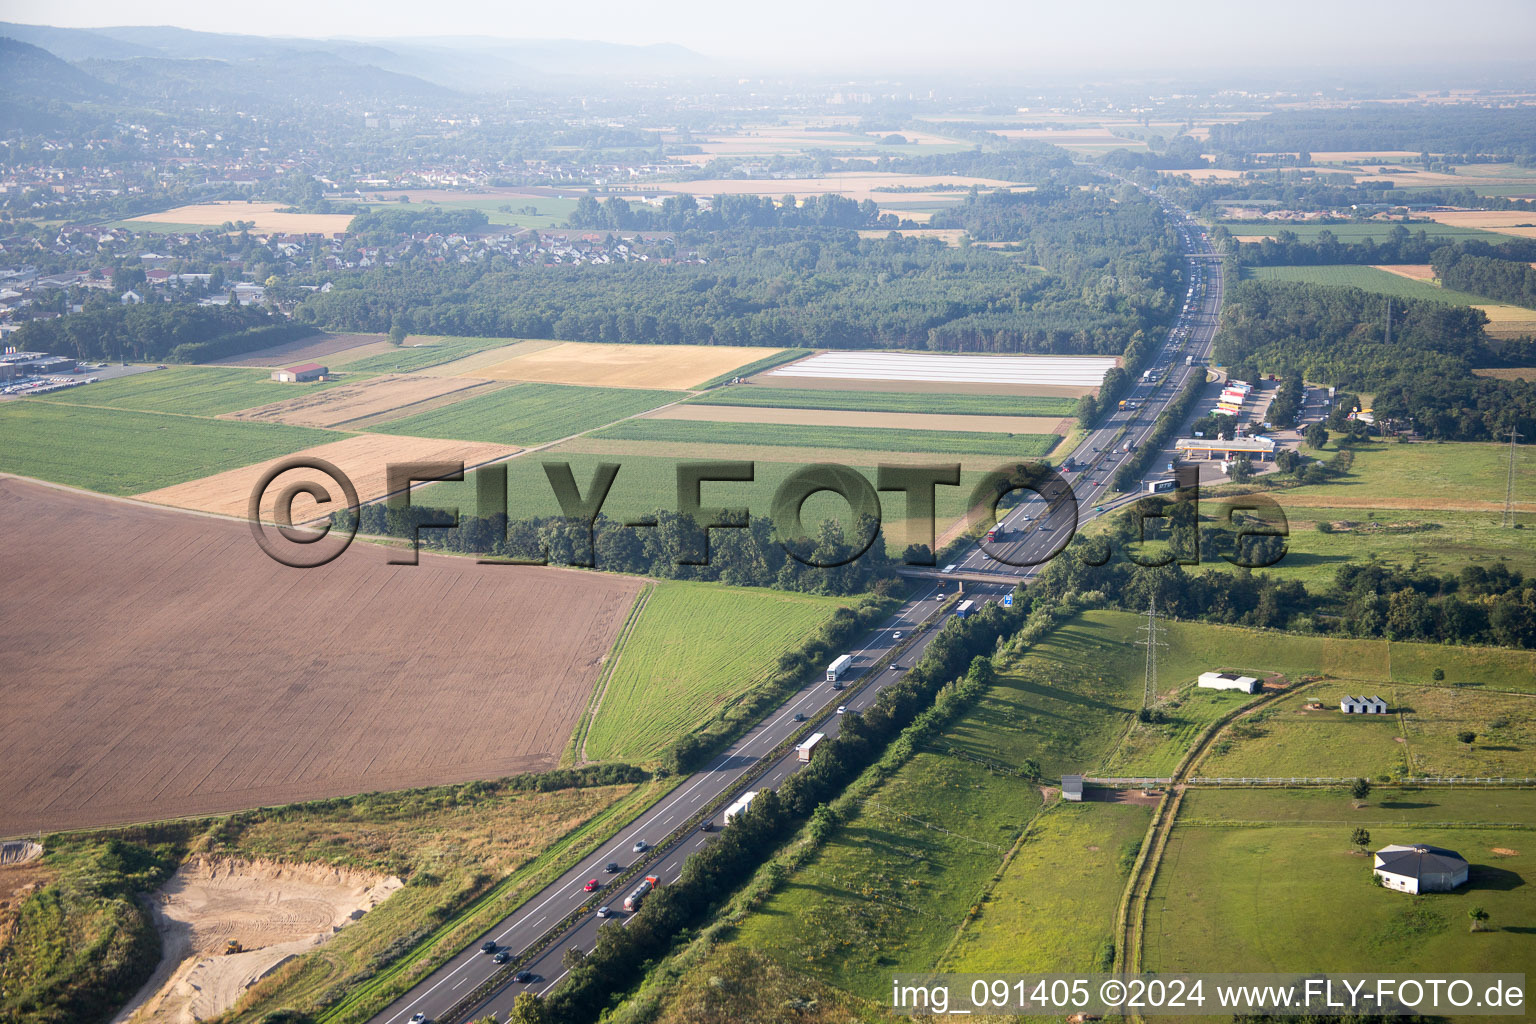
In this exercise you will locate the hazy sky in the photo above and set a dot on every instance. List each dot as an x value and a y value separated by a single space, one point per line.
1007 35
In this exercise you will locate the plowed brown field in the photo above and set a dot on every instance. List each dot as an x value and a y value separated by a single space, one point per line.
312 350
159 664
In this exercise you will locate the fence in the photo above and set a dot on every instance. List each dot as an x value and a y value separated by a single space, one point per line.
1409 780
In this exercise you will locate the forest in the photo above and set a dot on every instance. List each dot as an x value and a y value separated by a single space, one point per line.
1462 129
1507 280
1110 269
1422 377
1400 246
158 331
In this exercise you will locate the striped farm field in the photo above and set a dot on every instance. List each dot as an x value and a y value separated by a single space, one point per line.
866 438
878 420
356 399
123 451
890 401
672 674
527 414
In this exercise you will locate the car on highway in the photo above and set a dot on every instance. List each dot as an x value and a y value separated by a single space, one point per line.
418 1018
640 846
842 709
523 977
896 635
603 911
799 717
502 957
487 947
592 885
612 868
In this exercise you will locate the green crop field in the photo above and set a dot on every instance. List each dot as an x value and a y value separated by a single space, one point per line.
758 366
190 390
1378 230
1369 278
1086 852
120 451
1296 897
890 401
695 649
1417 737
646 483
411 356
1021 446
529 414
528 212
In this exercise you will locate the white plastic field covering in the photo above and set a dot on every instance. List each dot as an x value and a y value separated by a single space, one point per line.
1066 371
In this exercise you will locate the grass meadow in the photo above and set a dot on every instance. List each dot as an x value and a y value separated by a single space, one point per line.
1378 230
695 649
188 390
1370 279
1266 880
529 414
1417 737
121 451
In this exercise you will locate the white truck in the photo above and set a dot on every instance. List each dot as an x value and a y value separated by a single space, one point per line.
632 901
839 665
807 746
740 805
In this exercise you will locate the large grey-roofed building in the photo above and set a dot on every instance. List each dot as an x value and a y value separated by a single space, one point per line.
1420 868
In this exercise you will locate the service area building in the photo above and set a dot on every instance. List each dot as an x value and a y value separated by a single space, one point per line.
1261 449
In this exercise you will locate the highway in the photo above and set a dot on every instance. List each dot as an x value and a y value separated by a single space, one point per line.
1030 531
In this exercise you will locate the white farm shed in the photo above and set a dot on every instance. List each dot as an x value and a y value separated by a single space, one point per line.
1363 706
1228 681
1420 868
1072 788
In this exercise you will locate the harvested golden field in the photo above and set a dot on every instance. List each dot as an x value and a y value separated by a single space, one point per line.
949 236
363 457
311 350
845 418
264 215
1508 372
667 367
1509 321
1412 271
858 185
354 401
159 664
1507 222
490 357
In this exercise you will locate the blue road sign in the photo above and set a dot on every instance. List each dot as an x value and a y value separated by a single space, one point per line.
1007 600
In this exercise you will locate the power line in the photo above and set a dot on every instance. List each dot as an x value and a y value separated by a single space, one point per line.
1509 483
1149 689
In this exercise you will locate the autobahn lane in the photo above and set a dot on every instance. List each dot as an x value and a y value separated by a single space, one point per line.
445 988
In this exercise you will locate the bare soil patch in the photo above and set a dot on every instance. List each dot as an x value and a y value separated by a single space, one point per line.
158 664
848 418
365 398
364 457
1508 372
310 350
274 911
1412 271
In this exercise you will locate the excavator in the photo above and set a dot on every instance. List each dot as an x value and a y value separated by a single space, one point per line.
233 946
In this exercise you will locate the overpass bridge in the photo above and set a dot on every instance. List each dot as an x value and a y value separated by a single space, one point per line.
959 575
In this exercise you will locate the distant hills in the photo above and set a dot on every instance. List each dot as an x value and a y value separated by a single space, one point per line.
167 62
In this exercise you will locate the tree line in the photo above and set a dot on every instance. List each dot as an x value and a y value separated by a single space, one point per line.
154 331
1510 280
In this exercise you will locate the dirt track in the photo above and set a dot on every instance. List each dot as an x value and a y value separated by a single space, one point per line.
369 397
159 664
